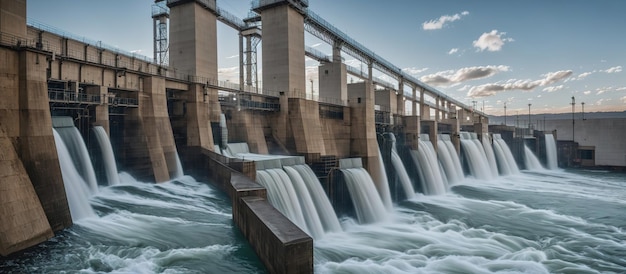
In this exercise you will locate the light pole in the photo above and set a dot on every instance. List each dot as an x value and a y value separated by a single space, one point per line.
529 122
505 113
573 120
583 103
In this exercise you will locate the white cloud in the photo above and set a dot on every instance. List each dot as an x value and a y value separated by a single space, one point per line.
553 88
453 51
439 23
414 70
603 90
614 69
623 99
316 45
229 74
513 84
450 77
584 75
587 92
491 41
138 51
232 56
620 89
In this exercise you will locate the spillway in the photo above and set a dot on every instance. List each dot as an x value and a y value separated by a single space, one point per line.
428 167
449 159
551 152
506 162
475 156
108 156
531 161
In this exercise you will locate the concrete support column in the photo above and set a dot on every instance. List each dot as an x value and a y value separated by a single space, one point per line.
333 83
412 131
36 146
432 131
193 39
148 133
307 131
337 52
414 102
363 129
283 52
102 110
423 111
437 109
199 132
24 222
400 98
247 125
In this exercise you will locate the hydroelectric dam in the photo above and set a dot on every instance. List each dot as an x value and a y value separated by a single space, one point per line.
114 162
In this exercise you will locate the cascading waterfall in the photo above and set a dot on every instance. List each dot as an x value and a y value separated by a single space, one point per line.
506 162
475 156
324 208
179 168
491 157
107 154
282 195
403 176
224 129
309 210
76 188
551 152
367 203
383 186
428 167
531 161
79 155
449 159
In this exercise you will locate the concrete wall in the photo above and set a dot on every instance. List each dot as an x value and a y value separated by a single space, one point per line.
247 126
336 134
306 129
23 220
607 135
333 81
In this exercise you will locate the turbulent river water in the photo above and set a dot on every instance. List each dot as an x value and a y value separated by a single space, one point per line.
547 221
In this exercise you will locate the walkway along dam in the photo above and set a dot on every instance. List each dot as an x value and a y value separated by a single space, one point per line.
290 162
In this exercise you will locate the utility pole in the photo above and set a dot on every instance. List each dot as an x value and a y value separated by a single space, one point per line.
573 120
505 113
583 103
529 122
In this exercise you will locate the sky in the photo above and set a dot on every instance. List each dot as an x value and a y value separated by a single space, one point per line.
492 52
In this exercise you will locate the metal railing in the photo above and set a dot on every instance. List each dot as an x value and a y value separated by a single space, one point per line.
98 44
64 96
124 102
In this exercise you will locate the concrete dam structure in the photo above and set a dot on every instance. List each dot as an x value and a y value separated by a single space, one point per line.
290 162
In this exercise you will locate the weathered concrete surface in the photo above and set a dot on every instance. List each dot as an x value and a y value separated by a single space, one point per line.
336 134
412 131
143 128
305 124
23 221
36 147
13 17
247 126
281 245
193 40
199 133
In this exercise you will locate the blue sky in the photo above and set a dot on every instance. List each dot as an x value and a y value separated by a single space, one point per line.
518 52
